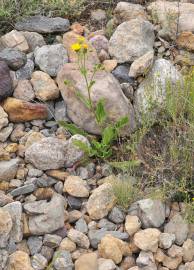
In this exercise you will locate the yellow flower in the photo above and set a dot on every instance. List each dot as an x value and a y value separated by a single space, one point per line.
81 39
85 46
76 47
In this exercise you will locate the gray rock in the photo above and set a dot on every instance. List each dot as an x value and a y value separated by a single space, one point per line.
24 91
106 225
8 169
13 57
26 189
3 118
15 211
44 218
166 240
121 72
34 172
81 226
145 258
124 46
98 16
5 227
39 262
25 72
79 238
116 215
42 24
178 226
60 111
95 236
151 93
5 198
6 132
6 88
34 40
62 260
3 258
50 58
59 187
46 154
47 252
52 240
74 203
150 212
34 244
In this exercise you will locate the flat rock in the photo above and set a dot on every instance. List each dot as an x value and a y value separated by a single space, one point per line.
71 187
6 89
22 111
13 57
44 218
116 104
44 86
50 58
26 189
124 46
44 25
8 169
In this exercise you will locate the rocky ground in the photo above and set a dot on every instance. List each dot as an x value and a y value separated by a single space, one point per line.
55 213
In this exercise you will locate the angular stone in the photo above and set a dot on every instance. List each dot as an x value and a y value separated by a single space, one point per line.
3 118
14 58
186 41
15 39
34 40
116 104
5 227
24 91
79 238
22 111
8 169
63 260
6 132
179 227
43 24
166 240
67 244
132 224
50 58
34 244
39 262
188 250
71 187
52 240
124 46
101 201
147 239
15 211
44 218
127 11
26 189
25 72
106 264
6 89
19 260
116 215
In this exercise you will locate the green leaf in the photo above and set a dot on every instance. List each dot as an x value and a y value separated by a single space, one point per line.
84 100
100 112
125 165
122 122
82 146
73 129
108 135
83 71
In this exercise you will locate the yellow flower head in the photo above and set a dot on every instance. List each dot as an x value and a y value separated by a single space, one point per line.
81 39
85 46
76 47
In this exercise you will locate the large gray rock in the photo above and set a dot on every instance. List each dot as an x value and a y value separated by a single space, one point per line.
116 104
46 217
178 226
46 154
13 57
25 72
34 40
15 211
8 169
6 88
125 46
42 24
168 14
151 93
150 212
50 58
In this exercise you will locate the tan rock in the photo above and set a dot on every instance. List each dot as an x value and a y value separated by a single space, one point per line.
159 255
3 118
175 251
15 39
12 148
188 250
76 187
67 244
70 38
19 260
25 221
5 227
101 201
44 86
87 262
147 239
127 262
172 263
5 186
33 137
186 41
58 174
110 65
21 111
113 248
132 224
24 91
44 193
77 28
4 155
142 65
79 238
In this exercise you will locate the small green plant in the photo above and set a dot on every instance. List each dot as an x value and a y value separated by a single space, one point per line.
110 131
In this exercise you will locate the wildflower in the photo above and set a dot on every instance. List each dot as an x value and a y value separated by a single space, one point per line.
85 47
76 47
81 39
